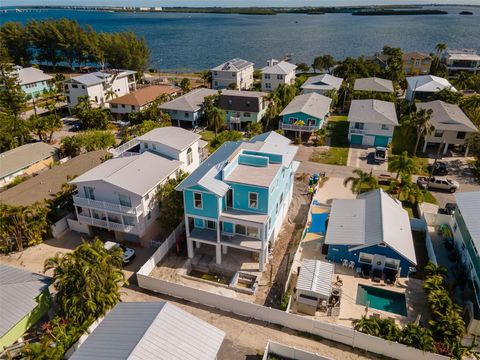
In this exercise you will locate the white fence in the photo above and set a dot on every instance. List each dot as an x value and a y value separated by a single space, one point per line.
338 333
74 225
290 352
429 245
59 228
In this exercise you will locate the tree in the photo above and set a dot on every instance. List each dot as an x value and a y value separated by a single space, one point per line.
216 119
207 78
418 337
152 113
285 94
328 62
254 129
224 136
185 85
448 96
170 203
87 281
402 165
411 192
232 86
17 42
419 123
90 117
302 67
361 182
46 41
440 48
432 269
394 68
45 126
86 141
318 64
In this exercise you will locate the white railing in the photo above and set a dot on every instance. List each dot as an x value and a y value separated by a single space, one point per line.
357 131
128 153
104 205
234 120
124 147
110 225
294 127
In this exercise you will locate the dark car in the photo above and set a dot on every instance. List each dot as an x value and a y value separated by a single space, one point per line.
440 168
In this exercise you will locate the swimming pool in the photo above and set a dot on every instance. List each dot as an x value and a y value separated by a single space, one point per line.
381 299
318 223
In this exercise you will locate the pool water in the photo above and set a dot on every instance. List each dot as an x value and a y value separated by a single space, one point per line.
381 299
318 223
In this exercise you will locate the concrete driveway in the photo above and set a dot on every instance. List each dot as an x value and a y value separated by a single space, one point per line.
333 189
362 157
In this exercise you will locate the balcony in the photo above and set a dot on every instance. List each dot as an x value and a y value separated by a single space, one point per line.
107 206
293 127
116 152
356 131
110 225
234 240
234 120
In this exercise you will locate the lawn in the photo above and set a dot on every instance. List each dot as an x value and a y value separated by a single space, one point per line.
208 136
337 154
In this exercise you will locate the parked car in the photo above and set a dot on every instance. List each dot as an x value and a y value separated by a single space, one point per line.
380 154
438 183
128 254
440 168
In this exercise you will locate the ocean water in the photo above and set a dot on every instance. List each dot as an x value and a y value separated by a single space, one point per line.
200 41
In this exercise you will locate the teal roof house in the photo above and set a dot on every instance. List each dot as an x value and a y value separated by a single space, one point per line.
305 113
239 197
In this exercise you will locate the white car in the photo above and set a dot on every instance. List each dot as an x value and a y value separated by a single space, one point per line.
380 155
128 254
440 183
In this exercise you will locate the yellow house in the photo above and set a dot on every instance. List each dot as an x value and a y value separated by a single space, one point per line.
416 63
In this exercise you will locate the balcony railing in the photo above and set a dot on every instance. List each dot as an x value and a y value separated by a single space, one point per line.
293 127
110 225
108 206
357 131
124 147
234 120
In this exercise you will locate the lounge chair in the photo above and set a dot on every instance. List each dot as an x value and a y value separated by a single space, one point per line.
377 275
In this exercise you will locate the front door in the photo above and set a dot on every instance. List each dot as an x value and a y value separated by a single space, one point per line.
379 262
229 198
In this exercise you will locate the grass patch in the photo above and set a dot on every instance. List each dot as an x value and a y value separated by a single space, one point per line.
337 154
409 207
421 164
208 136
429 198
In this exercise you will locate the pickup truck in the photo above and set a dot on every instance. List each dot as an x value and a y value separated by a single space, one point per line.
439 183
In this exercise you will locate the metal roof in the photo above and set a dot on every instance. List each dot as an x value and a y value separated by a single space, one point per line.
372 111
137 174
323 82
24 156
315 278
171 136
469 205
192 101
372 218
99 77
373 84
447 116
19 290
254 175
282 67
311 104
31 75
429 83
233 65
151 330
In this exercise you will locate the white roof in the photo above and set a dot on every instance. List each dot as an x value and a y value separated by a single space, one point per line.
447 116
192 101
171 136
99 77
315 278
373 84
311 104
465 54
151 331
233 65
323 82
429 83
282 67
372 218
373 111
469 204
137 174
31 75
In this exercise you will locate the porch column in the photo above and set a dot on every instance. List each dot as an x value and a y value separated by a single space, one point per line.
187 225
466 150
218 257
197 244
445 149
261 260
190 248
224 249
425 146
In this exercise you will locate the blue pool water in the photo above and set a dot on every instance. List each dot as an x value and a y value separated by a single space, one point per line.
381 299
318 223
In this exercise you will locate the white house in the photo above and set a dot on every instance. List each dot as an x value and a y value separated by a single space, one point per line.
371 122
452 126
235 71
119 194
99 86
461 60
277 73
424 86
374 84
321 84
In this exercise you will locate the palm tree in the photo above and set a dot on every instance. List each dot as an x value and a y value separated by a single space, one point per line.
286 93
419 121
367 326
110 94
216 119
207 78
439 301
411 192
402 165
362 182
440 47
434 282
417 336
432 269
273 108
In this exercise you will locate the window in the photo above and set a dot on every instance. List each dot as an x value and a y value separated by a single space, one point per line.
359 125
392 263
384 127
247 103
83 86
293 120
215 73
365 258
438 133
281 198
461 135
253 200
212 225
124 200
197 201
133 107
123 106
187 114
246 114
128 220
279 77
147 196
96 99
252 231
114 106
240 229
68 99
417 62
154 147
268 86
75 86
276 209
267 76
311 122
146 145
215 83
89 194
189 156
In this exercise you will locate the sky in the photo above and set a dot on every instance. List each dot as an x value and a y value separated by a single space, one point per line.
226 3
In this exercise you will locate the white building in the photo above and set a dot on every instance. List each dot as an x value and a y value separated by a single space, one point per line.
119 194
277 73
235 71
99 86
462 60
321 84
424 86
372 122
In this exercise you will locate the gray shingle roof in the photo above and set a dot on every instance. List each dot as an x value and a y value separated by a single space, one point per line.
233 65
24 156
192 101
373 84
282 68
18 292
323 82
311 104
138 174
151 330
372 111
171 136
371 219
469 205
31 75
315 278
448 116
429 83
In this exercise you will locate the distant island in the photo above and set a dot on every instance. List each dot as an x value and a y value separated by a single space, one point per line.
465 13
399 12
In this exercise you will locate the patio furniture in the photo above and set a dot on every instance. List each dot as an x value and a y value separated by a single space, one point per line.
366 271
377 275
390 276
351 265
345 263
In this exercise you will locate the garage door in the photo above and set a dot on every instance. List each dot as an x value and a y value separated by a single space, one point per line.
356 139
381 141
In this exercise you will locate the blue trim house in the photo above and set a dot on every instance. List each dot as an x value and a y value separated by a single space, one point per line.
33 81
372 230
305 113
239 196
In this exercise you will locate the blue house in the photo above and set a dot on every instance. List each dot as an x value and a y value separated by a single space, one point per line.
305 113
372 230
33 81
239 196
